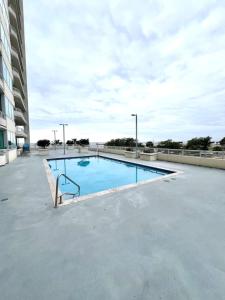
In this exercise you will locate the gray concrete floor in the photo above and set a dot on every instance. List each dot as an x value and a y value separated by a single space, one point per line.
163 240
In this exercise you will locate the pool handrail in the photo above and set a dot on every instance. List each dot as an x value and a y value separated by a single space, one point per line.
57 188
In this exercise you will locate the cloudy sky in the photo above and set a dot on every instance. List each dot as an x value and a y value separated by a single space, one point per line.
91 63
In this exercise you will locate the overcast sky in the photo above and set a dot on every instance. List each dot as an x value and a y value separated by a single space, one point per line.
91 63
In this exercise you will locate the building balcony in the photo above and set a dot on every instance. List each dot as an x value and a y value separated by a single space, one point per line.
2 120
15 5
12 15
17 82
15 21
20 133
20 120
15 40
19 102
16 62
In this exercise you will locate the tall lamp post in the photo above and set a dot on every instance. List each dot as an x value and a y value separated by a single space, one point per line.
135 115
64 142
55 137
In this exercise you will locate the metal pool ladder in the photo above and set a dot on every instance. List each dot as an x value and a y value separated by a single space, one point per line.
57 189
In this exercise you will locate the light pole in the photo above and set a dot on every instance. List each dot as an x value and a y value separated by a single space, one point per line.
135 115
55 137
64 142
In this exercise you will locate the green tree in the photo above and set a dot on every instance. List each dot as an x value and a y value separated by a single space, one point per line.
222 142
217 148
43 143
170 144
140 145
149 144
83 142
202 143
124 142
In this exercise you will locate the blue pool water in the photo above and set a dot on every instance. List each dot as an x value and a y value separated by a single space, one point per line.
96 173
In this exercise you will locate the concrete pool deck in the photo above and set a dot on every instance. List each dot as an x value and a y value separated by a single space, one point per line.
162 240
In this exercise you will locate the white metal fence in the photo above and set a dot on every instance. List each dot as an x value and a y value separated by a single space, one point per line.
117 149
185 152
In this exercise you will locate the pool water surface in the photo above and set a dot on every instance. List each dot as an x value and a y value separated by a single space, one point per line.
96 173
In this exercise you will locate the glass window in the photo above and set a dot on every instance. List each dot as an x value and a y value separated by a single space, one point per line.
3 7
5 42
11 139
9 109
6 75
1 139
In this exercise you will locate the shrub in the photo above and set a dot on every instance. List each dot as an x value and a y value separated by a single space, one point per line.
201 143
69 142
83 142
129 149
56 142
217 148
169 144
140 145
124 142
149 144
148 151
43 143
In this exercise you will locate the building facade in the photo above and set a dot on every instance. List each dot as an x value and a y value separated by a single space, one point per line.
14 117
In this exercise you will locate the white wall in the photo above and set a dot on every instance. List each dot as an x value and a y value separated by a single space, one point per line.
108 150
192 160
11 155
3 160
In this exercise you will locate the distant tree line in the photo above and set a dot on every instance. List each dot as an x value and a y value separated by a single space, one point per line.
81 142
201 143
124 142
45 143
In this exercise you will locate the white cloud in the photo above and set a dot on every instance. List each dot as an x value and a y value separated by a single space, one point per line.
93 63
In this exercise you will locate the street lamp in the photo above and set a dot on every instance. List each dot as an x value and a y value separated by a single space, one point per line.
135 115
63 125
55 137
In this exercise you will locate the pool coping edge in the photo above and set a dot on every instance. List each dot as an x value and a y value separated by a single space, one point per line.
52 181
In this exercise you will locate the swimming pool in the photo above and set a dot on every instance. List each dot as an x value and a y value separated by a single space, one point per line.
97 173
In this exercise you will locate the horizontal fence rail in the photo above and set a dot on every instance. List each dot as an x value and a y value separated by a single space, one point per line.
184 152
122 149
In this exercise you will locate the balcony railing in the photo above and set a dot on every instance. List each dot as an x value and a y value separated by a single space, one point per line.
17 77
19 117
18 109
17 95
20 132
16 20
13 32
16 56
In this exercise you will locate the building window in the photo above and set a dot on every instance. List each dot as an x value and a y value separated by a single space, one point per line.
11 139
4 10
6 75
9 109
5 42
2 145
